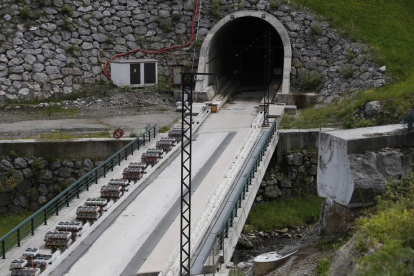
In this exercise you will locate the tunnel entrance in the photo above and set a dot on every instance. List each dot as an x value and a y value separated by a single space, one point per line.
235 50
240 52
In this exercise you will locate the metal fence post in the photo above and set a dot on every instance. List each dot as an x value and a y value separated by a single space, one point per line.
67 199
45 216
32 226
112 165
57 207
3 248
96 176
18 237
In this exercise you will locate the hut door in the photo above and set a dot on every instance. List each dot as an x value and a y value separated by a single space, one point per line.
136 73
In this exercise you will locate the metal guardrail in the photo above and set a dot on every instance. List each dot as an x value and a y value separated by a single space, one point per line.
41 216
228 222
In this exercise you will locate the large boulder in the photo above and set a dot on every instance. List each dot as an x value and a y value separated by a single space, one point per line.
46 176
87 165
20 163
5 165
295 159
272 192
373 108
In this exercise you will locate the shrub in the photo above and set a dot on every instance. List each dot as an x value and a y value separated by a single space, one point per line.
316 28
274 4
310 80
71 48
322 267
388 232
176 16
67 23
392 258
26 13
347 71
164 129
66 9
215 9
165 24
110 39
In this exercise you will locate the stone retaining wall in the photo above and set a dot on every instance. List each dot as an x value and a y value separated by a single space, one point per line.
52 47
296 174
29 182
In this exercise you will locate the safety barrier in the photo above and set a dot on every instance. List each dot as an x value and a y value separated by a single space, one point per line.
218 245
41 216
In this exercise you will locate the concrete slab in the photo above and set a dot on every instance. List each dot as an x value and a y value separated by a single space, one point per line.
340 179
235 117
276 111
138 220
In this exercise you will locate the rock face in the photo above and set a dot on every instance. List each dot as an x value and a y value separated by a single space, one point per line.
28 182
60 48
298 176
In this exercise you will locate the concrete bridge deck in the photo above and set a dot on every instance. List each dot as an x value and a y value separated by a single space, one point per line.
141 235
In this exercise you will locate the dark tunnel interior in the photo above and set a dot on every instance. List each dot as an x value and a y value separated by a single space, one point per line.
238 52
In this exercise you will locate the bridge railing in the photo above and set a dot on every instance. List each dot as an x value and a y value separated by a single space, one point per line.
232 213
41 216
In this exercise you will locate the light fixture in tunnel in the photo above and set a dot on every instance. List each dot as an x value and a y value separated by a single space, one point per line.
263 15
232 16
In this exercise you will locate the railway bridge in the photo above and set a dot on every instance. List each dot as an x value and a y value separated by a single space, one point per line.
136 230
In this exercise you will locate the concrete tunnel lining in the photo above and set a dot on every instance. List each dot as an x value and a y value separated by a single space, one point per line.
204 83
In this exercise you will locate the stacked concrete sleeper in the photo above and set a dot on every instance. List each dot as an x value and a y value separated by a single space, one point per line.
33 263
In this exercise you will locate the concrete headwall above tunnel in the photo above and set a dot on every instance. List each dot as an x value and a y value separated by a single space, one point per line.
238 30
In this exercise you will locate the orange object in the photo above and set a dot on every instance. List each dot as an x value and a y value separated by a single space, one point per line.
118 133
214 108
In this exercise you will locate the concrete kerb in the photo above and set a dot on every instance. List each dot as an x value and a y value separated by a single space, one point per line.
201 223
198 120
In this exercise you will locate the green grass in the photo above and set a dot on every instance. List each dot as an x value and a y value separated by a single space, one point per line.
10 220
74 135
322 267
285 212
387 27
386 236
164 129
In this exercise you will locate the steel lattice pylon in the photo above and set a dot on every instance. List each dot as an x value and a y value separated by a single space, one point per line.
267 75
186 135
186 148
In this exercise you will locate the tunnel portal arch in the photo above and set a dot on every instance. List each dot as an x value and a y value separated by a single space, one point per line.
208 51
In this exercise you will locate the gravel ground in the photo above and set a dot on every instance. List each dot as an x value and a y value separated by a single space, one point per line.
131 111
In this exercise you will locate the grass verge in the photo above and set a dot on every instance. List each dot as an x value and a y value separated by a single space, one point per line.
10 220
285 212
74 135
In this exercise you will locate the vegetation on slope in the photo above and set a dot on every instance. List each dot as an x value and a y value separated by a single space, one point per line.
386 236
387 26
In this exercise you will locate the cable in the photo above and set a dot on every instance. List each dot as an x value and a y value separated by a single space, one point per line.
196 38
106 73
